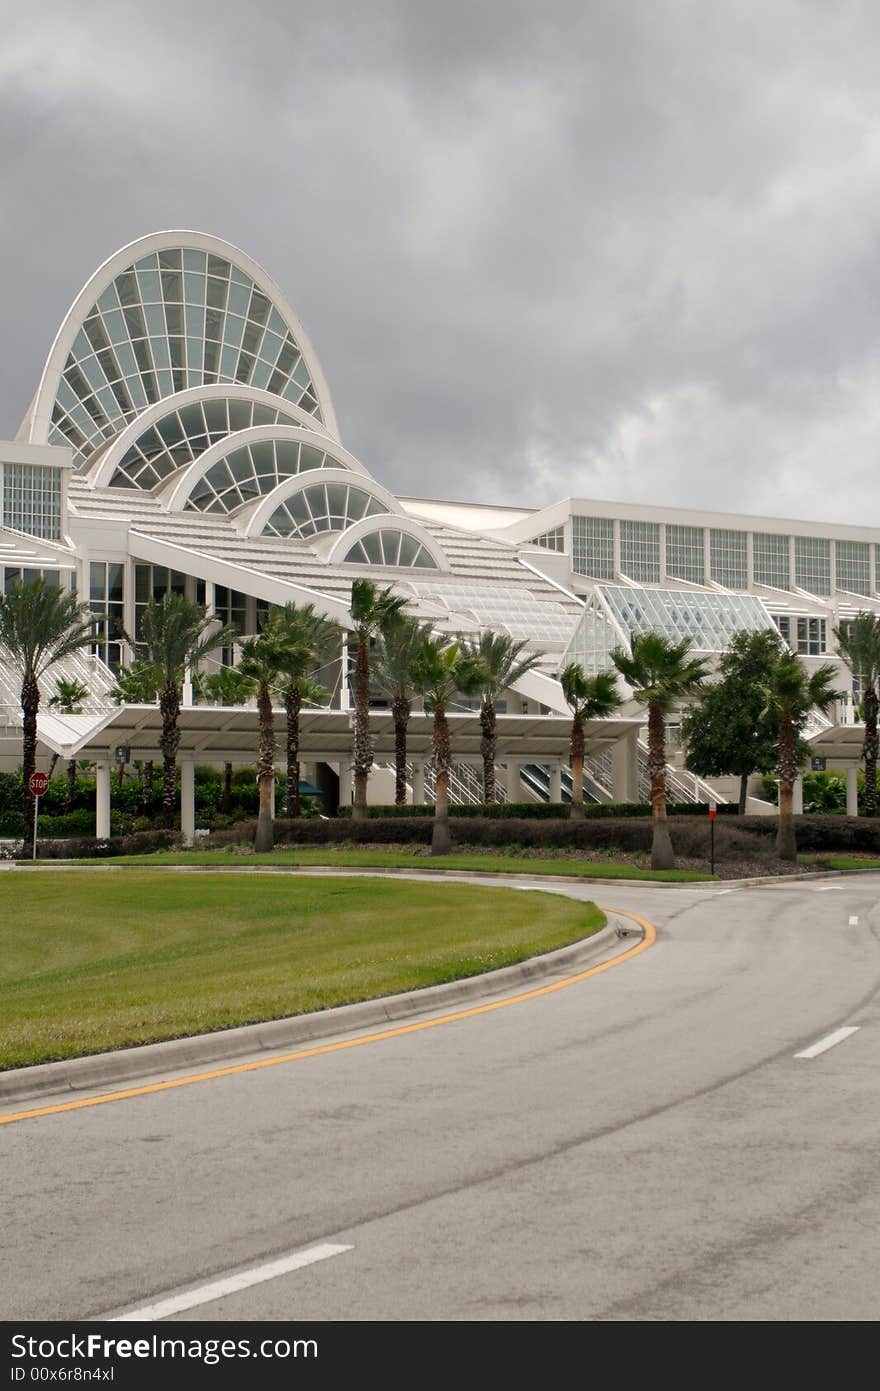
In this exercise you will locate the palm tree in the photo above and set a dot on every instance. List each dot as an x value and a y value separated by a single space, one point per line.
175 636
139 685
372 610
39 626
589 698
261 659
397 649
306 639
859 644
502 666
661 673
69 696
439 671
790 694
225 686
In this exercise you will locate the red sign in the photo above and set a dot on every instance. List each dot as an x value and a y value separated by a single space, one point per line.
38 784
712 813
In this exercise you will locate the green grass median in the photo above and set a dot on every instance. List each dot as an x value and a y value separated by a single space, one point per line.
96 960
345 857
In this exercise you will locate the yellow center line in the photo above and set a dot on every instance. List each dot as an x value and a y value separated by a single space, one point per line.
650 936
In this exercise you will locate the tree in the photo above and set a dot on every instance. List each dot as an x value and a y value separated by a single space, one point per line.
859 645
261 659
225 686
69 696
502 666
39 626
439 671
397 649
588 698
139 685
372 610
790 693
726 733
661 673
305 639
175 636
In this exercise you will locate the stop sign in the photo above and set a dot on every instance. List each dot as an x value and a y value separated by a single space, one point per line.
38 784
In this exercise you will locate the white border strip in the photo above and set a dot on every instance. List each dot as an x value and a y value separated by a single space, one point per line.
827 1042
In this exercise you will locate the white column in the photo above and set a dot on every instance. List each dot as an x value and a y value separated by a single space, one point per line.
345 783
102 800
625 767
514 792
344 700
187 800
852 791
418 784
187 691
555 782
797 800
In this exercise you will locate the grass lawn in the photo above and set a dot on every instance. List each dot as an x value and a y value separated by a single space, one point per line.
93 961
343 856
829 861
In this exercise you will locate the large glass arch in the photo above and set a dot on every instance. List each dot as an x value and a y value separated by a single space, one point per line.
319 507
170 312
247 466
173 434
395 542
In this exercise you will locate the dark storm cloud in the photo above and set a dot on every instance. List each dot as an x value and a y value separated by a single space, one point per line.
625 251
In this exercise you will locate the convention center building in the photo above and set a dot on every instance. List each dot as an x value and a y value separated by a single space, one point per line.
182 437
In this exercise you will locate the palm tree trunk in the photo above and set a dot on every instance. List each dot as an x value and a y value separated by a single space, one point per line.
743 793
363 746
786 841
401 710
147 789
226 798
265 836
30 704
53 763
576 810
169 704
292 707
442 760
70 789
488 748
662 856
869 701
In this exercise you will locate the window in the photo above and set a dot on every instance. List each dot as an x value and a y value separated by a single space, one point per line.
106 596
592 545
806 636
389 546
853 564
685 559
551 540
32 499
728 558
322 507
13 574
812 564
770 560
230 606
152 582
640 551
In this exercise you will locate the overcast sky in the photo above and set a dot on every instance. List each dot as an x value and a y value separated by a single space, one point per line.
624 249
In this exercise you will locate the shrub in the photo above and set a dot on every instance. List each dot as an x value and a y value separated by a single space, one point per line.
539 811
90 847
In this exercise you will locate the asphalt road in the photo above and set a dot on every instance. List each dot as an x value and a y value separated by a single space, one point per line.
644 1145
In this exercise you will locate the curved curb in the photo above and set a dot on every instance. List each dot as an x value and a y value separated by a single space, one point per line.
105 1069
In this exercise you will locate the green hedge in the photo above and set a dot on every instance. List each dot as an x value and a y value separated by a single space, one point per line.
539 811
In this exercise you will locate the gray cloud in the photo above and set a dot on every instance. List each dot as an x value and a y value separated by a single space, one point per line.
627 251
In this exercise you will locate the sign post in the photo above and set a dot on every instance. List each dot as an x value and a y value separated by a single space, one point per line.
38 784
713 812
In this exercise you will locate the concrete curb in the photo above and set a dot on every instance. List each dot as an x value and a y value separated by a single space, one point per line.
107 1069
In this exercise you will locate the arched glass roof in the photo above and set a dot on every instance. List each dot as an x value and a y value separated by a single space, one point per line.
322 507
173 317
177 438
253 470
390 546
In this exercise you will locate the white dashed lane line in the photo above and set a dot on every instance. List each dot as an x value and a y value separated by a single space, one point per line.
829 1041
